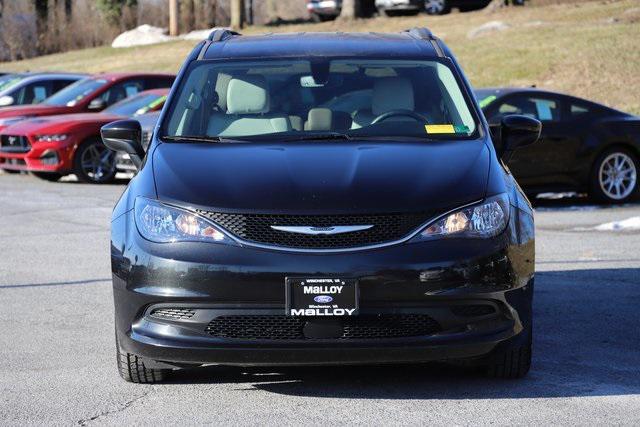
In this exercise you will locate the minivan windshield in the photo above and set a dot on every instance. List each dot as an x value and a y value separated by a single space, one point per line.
75 92
325 98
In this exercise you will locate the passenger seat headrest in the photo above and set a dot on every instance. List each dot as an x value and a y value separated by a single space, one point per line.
392 93
248 95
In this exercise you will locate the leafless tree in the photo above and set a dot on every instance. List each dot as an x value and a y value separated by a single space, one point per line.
350 9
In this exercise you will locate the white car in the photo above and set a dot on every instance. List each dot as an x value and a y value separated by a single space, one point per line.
397 7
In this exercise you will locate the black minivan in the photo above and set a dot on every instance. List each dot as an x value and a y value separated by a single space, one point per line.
318 199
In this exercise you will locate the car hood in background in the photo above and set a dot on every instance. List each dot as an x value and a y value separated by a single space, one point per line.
32 110
327 177
59 123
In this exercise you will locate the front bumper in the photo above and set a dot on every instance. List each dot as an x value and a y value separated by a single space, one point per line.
41 157
427 279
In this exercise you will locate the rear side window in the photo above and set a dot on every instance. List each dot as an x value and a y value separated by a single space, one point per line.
33 93
539 108
122 90
578 110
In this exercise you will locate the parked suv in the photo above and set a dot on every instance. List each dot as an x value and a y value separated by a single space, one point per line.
265 228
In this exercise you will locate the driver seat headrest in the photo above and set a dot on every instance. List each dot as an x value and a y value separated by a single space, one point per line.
248 95
392 93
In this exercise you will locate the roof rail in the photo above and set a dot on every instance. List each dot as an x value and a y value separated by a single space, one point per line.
421 33
221 35
427 35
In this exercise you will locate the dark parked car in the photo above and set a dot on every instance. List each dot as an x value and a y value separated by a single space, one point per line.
265 229
327 10
33 88
584 147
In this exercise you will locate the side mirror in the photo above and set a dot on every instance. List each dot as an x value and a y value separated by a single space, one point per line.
6 100
517 131
124 136
97 104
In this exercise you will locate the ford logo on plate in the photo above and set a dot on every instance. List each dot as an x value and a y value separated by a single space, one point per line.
323 299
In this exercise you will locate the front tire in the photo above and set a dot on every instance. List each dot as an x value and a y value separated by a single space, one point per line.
48 176
614 177
132 369
94 163
513 361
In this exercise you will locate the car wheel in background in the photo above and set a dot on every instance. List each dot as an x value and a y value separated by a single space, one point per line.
94 162
614 178
48 176
437 7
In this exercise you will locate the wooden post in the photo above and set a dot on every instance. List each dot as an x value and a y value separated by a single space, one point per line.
173 18
237 14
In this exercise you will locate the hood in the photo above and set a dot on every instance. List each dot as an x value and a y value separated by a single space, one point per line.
315 178
32 110
59 123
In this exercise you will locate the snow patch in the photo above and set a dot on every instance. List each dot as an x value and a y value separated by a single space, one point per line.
200 34
629 224
487 28
142 35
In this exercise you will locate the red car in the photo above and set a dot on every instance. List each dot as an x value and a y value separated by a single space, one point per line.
92 94
54 146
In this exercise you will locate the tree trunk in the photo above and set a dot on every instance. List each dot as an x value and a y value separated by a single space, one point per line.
173 17
350 9
237 14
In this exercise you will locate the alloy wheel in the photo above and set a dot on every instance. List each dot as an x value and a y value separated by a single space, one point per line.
434 7
98 162
617 176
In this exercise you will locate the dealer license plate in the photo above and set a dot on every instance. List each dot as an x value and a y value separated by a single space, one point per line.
329 297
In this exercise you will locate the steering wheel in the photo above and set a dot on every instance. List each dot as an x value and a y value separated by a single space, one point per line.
400 113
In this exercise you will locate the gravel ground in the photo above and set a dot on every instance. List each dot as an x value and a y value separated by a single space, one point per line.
57 343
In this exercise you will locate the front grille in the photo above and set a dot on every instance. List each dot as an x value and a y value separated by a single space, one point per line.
173 313
146 139
475 310
257 228
275 327
14 144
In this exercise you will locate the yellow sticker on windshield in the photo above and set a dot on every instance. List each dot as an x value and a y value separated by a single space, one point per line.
440 128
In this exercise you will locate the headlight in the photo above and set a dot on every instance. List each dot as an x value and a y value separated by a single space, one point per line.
161 223
486 219
51 138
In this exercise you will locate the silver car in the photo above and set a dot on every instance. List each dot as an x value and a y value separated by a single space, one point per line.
33 88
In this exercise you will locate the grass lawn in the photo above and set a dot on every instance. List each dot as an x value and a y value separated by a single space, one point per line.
589 49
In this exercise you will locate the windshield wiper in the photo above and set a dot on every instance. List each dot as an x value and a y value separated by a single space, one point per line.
200 138
318 136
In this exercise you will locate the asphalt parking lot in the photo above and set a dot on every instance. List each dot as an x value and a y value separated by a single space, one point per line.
57 343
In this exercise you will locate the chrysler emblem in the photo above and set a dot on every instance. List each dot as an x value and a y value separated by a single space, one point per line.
336 229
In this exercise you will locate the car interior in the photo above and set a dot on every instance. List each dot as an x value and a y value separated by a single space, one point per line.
270 100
